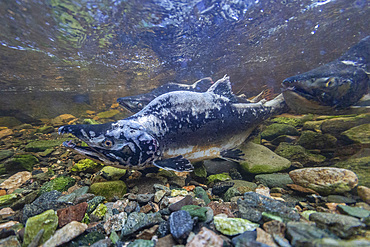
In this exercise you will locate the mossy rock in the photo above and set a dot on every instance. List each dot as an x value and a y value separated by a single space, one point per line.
219 177
86 165
42 145
100 211
298 153
108 114
45 129
313 125
21 162
4 154
90 121
274 130
61 183
9 122
196 211
336 126
292 120
48 221
259 159
109 189
313 140
360 166
360 134
112 173
7 200
2 169
200 171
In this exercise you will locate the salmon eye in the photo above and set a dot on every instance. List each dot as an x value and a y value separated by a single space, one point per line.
330 82
140 104
108 143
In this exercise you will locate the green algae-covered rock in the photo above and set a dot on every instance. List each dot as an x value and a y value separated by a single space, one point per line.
298 153
141 243
6 200
336 126
274 180
112 173
274 130
230 193
48 221
219 177
179 192
2 169
259 159
292 120
200 171
108 114
21 162
86 165
86 219
9 122
360 166
313 140
61 183
233 226
90 121
100 211
45 129
201 193
42 145
196 211
109 189
5 154
360 134
313 125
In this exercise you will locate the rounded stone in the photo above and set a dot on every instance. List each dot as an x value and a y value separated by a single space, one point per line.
325 180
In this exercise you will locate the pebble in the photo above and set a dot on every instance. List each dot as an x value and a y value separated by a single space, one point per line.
10 241
275 227
265 238
206 238
166 241
325 180
137 221
181 225
159 195
65 234
340 199
221 208
233 226
187 200
72 213
15 181
273 180
144 198
221 187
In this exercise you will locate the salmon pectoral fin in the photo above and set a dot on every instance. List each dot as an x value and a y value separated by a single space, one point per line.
178 164
232 154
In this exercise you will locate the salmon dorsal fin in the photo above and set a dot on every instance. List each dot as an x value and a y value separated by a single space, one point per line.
223 87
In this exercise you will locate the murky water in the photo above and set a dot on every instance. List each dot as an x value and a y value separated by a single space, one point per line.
57 55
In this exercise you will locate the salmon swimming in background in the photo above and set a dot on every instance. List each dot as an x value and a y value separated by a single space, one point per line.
175 129
333 87
138 102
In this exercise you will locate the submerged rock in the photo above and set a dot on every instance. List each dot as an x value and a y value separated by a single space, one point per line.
274 180
65 234
21 162
233 226
42 145
86 165
48 221
274 130
325 180
181 225
299 154
61 183
137 221
303 234
15 181
360 166
206 238
341 225
313 140
359 134
364 193
109 189
252 205
259 159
